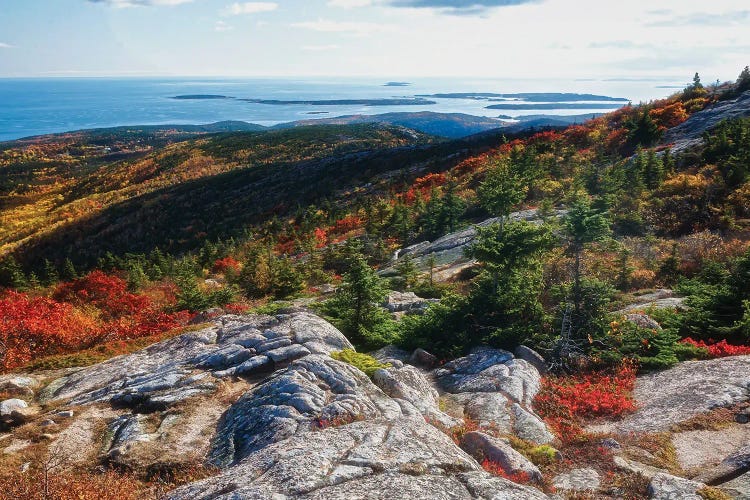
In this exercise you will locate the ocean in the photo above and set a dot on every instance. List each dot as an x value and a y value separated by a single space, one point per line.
50 105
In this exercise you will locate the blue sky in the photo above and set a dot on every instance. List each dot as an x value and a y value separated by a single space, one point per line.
482 38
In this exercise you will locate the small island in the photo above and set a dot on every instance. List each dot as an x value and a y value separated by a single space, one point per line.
417 101
396 84
552 105
526 96
198 97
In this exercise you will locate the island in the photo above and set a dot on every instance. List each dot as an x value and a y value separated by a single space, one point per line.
346 102
526 96
198 97
396 84
552 105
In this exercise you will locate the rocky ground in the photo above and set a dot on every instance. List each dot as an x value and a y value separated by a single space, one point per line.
260 398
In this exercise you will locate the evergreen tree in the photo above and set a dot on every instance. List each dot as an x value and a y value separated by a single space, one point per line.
356 309
502 189
583 225
287 280
697 85
11 274
743 81
642 130
654 170
50 275
68 270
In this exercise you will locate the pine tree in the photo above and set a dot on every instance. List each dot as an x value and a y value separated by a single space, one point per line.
697 85
743 81
287 280
11 274
502 189
356 305
583 225
69 270
654 172
50 275
642 130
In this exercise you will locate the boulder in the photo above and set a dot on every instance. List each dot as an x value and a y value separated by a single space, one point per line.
578 480
532 357
390 353
688 389
423 359
18 385
529 426
180 368
690 132
409 384
738 488
735 465
399 458
15 411
499 452
668 487
22 416
406 302
643 321
636 467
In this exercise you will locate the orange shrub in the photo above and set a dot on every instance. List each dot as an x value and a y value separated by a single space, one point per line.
564 402
35 326
229 264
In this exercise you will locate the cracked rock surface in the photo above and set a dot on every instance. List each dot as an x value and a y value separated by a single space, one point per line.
261 398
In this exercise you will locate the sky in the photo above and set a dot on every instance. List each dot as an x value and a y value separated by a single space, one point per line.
389 38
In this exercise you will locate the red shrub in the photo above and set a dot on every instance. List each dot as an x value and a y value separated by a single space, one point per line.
93 309
106 292
718 349
566 401
35 326
321 238
230 264
349 223
236 308
495 468
429 180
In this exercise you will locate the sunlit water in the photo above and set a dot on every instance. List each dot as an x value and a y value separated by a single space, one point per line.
42 106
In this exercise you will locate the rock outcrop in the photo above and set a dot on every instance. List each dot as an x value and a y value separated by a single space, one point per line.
690 132
448 253
686 390
261 398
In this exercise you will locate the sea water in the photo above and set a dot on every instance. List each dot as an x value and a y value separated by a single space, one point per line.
49 105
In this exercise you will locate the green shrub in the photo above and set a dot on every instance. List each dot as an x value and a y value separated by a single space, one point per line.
363 362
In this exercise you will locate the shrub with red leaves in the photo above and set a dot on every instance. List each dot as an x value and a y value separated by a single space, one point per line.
496 469
81 313
227 264
565 402
720 349
34 326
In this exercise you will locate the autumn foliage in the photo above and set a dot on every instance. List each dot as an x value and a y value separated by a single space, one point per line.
720 349
565 402
81 313
227 264
497 470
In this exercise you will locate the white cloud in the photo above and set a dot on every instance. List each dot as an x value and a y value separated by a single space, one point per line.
350 27
6 46
222 26
348 4
238 8
140 3
320 48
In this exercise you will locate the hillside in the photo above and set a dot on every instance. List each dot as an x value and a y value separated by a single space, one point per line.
554 312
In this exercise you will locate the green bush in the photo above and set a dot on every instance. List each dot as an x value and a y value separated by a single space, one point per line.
363 362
